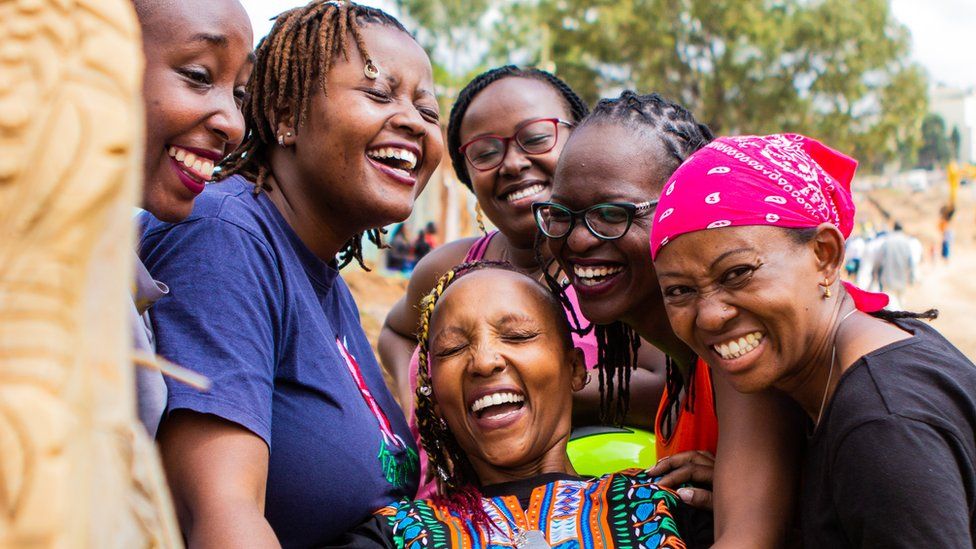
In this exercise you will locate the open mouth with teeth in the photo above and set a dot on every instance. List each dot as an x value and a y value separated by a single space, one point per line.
595 275
735 348
396 161
520 194
194 170
497 406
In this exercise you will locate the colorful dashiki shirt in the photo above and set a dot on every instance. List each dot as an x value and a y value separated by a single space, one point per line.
622 510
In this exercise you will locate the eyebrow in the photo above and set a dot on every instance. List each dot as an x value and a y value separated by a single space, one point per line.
220 41
713 264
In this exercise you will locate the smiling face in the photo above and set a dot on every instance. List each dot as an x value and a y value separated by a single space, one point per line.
610 163
368 147
747 300
198 60
503 371
506 193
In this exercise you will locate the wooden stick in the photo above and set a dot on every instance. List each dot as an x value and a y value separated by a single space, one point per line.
167 368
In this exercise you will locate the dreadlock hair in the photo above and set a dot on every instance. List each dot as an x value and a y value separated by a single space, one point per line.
292 65
457 483
577 108
680 134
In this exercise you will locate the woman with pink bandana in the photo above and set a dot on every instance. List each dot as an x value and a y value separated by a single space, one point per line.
748 245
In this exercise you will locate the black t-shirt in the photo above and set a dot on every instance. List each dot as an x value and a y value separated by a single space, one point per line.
893 463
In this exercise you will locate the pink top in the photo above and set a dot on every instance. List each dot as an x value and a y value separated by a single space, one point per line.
586 343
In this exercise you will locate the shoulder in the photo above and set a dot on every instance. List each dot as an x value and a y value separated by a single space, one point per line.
228 202
923 378
227 219
436 263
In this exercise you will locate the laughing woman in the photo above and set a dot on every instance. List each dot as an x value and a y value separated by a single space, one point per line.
298 439
495 408
749 260
506 132
612 172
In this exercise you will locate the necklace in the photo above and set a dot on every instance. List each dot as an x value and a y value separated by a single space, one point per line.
830 373
523 539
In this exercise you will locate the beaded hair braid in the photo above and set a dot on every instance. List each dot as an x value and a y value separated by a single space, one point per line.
681 135
576 106
292 65
456 480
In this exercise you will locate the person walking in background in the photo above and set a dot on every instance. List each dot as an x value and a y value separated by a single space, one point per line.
897 264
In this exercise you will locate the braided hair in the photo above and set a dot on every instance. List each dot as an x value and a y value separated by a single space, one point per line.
456 480
577 108
292 65
617 343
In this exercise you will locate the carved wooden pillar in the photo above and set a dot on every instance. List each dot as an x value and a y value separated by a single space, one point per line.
76 469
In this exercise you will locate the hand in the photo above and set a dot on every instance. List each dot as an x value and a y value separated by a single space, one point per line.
694 466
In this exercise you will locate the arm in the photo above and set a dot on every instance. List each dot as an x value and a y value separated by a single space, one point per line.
646 386
220 319
897 482
756 467
217 472
398 338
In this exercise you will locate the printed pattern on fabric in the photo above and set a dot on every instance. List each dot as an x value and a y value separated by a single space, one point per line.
622 510
395 471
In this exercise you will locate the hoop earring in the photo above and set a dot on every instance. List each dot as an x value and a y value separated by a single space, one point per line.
826 288
480 218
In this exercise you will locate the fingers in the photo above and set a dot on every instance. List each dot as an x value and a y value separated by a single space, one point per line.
696 497
670 463
689 473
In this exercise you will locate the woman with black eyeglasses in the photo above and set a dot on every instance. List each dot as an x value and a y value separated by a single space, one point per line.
506 131
597 225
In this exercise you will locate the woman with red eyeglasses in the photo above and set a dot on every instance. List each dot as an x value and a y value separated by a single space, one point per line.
506 131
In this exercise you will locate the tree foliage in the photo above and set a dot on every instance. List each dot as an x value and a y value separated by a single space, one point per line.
835 69
936 149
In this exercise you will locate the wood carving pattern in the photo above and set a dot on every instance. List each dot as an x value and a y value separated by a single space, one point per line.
76 470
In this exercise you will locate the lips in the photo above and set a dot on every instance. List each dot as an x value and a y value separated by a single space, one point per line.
738 347
595 276
194 167
399 161
496 408
524 193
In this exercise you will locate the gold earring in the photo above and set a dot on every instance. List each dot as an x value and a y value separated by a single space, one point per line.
480 218
826 288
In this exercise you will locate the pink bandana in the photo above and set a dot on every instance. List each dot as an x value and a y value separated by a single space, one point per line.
783 180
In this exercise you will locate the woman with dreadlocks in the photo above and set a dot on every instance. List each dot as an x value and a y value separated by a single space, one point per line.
494 405
506 131
298 439
608 181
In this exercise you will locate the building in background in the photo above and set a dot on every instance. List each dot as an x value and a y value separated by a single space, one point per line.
958 108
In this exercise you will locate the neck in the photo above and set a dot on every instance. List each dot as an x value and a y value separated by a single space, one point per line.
652 326
813 384
521 256
556 460
302 211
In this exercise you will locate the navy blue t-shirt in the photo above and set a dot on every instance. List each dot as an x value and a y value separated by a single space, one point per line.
278 334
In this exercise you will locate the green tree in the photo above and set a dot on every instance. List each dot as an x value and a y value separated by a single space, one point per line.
835 69
936 149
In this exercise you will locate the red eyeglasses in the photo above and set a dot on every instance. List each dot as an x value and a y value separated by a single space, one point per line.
537 136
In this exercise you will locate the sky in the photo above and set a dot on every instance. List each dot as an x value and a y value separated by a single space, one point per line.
943 32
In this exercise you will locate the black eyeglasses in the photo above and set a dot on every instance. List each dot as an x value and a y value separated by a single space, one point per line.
606 221
537 136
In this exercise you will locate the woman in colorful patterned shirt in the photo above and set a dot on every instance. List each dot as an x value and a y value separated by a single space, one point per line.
494 408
